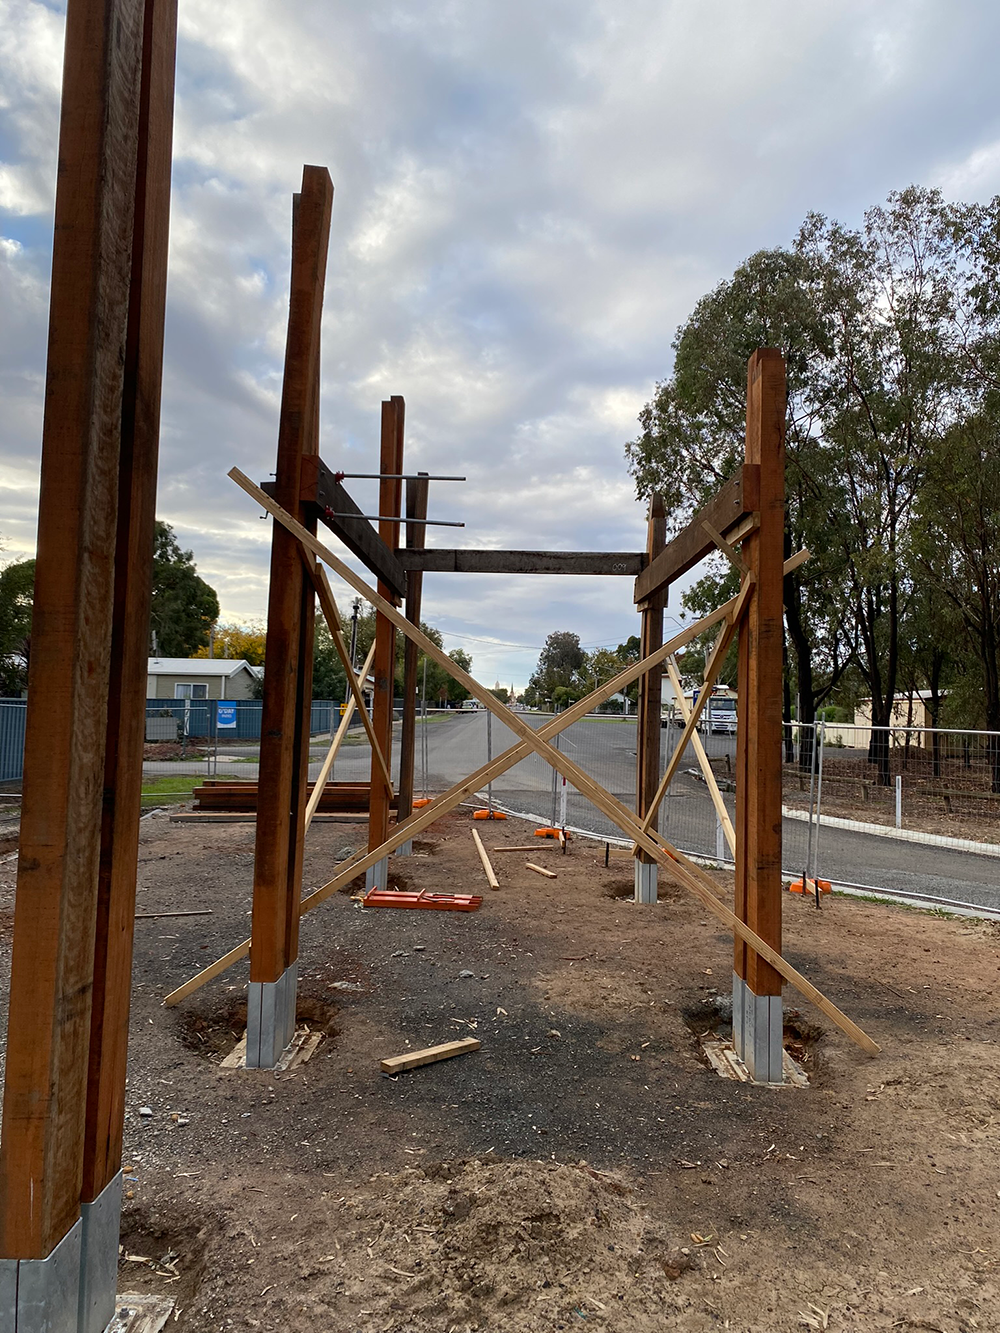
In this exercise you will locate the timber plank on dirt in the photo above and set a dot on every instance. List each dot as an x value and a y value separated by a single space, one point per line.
397 1064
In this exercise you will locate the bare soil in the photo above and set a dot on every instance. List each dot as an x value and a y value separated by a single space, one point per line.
585 1167
957 803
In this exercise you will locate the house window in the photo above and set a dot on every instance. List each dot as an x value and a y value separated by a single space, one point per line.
189 690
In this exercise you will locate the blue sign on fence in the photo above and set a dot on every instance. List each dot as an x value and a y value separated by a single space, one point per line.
225 715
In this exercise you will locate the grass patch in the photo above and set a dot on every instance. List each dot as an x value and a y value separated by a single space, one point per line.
182 785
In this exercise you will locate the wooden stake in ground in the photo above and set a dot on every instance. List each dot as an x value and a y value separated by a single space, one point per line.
487 866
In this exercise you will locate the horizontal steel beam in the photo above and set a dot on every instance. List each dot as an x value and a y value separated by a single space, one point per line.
523 562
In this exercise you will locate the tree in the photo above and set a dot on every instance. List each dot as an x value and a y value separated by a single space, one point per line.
959 556
881 328
329 680
692 439
236 642
560 660
17 582
184 607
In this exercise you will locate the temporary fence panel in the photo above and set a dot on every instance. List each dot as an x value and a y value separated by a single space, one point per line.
12 717
184 737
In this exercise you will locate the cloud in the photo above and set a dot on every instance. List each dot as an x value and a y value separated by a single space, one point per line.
529 200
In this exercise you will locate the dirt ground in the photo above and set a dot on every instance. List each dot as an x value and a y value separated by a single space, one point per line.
585 1166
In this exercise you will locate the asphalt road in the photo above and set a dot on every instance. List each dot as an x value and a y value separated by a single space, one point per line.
458 742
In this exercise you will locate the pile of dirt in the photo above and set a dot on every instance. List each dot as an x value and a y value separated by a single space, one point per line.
507 1245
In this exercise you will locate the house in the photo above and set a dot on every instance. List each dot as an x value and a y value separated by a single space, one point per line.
909 710
200 678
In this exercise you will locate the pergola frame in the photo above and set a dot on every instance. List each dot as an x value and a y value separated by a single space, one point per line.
691 876
64 1088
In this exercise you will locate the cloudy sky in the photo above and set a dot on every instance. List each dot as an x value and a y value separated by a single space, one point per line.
530 197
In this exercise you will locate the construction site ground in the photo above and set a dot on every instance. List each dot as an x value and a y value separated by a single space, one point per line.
585 1167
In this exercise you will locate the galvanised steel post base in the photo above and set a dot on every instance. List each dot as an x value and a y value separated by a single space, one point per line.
44 1295
377 876
99 1257
758 1030
271 1017
645 881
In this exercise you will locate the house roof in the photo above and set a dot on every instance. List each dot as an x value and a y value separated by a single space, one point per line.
196 666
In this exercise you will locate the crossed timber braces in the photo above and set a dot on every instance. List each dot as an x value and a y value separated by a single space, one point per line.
683 870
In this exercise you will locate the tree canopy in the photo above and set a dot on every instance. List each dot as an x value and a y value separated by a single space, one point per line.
891 334
184 607
236 642
17 581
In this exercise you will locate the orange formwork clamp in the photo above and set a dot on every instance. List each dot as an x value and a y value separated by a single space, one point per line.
556 833
489 814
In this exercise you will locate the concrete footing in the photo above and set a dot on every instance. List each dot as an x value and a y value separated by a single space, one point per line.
271 1018
99 1257
645 881
43 1295
758 1030
377 876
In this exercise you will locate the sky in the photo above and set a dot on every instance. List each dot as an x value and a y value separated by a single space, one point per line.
529 200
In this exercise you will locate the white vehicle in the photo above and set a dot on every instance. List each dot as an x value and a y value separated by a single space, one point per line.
718 717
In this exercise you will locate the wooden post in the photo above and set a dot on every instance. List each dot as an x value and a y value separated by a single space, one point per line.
757 1011
52 968
650 696
416 507
284 748
390 494
101 1192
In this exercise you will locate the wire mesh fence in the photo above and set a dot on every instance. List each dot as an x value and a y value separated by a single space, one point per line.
840 814
907 810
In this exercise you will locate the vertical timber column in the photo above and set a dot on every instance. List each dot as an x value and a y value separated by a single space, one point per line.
52 966
390 496
140 423
284 747
650 697
416 507
757 1008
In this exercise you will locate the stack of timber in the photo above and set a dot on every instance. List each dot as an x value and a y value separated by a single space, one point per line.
241 797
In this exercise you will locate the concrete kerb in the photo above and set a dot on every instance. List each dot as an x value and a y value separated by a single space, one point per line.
901 834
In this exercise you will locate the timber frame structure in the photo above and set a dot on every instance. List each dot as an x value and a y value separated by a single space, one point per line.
64 1089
